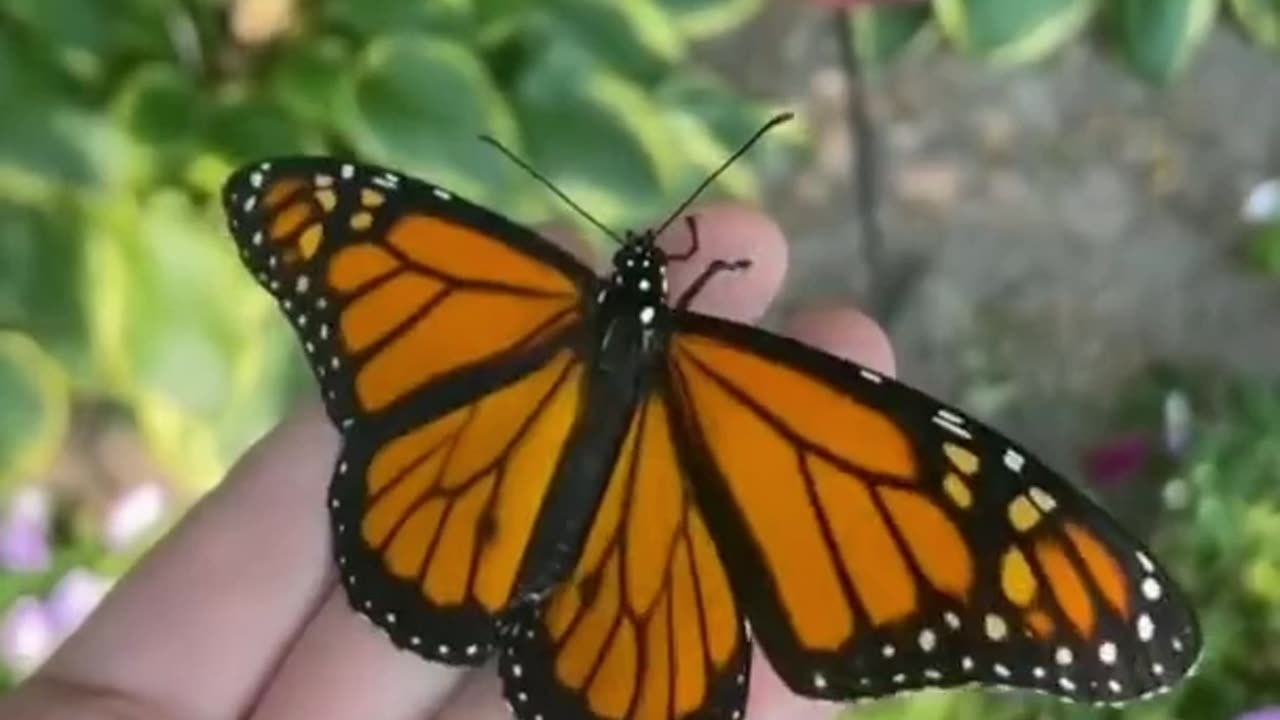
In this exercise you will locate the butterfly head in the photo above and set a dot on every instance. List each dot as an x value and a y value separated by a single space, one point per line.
639 277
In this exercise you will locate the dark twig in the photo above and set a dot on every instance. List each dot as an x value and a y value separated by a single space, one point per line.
866 159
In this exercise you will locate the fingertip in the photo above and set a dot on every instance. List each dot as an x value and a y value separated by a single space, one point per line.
846 332
769 698
729 231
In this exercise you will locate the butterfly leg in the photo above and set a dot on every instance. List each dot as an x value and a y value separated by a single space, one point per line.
692 222
714 268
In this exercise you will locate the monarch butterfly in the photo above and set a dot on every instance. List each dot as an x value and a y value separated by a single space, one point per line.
618 495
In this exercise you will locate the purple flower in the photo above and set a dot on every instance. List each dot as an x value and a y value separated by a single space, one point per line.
1266 713
32 630
133 513
24 542
73 598
27 636
1119 459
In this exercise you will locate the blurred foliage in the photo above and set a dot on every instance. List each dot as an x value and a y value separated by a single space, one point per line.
119 286
1155 39
116 275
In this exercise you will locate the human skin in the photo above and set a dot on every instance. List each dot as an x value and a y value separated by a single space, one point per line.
237 612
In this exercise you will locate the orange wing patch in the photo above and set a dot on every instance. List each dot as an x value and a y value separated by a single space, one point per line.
828 493
451 504
408 323
646 627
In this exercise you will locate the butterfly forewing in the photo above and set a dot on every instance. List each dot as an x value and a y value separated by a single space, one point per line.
449 348
880 542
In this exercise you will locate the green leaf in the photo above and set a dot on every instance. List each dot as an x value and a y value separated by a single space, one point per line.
160 105
635 38
374 18
731 120
305 78
880 32
597 137
1261 19
1010 32
41 263
33 416
252 128
418 103
701 19
1264 248
1159 38
174 314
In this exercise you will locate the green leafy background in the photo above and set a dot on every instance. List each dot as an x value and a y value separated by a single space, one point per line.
1155 38
122 305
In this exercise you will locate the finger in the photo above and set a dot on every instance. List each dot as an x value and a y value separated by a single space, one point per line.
728 232
341 667
479 698
203 618
852 335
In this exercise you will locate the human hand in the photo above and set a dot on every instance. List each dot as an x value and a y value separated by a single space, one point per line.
238 614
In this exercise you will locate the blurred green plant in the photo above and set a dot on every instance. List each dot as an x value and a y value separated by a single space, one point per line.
1155 39
119 285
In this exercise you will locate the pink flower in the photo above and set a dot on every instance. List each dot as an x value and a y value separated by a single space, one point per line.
133 513
26 636
1266 713
1118 459
24 529
74 598
32 630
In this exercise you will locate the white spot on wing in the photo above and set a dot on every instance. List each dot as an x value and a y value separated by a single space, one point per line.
1146 628
1013 460
1151 589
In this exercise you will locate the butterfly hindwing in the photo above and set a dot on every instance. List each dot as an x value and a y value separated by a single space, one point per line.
432 518
880 542
646 627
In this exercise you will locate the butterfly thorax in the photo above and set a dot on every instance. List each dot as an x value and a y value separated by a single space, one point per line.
636 287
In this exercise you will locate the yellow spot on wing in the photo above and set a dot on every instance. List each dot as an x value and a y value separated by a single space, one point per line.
309 241
961 457
327 199
957 490
361 221
371 198
1023 514
1016 578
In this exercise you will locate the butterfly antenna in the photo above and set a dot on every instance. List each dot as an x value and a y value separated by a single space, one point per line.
775 121
551 186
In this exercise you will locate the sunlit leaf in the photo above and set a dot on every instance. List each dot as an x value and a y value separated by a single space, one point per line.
251 128
33 415
1012 31
597 136
305 77
636 37
699 19
880 32
418 103
1159 38
380 17
731 119
41 263
1261 19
